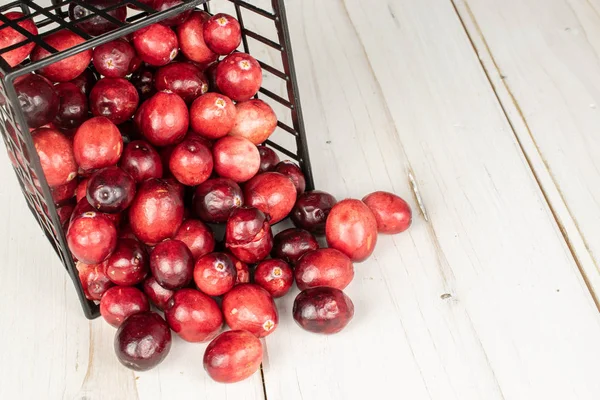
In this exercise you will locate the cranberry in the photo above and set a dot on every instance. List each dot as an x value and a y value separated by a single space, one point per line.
212 116
163 119
275 276
211 75
115 59
95 24
81 190
191 162
56 156
194 316
172 264
119 302
243 272
69 68
110 190
10 37
64 193
114 98
222 33
323 310
158 295
184 79
215 274
250 307
352 229
324 267
128 264
141 161
311 210
85 81
191 39
161 5
392 213
73 110
239 76
94 280
84 207
248 234
197 237
38 99
233 356
255 121
236 158
143 341
148 3
97 144
92 237
64 214
293 172
293 243
268 159
156 44
215 199
272 193
143 80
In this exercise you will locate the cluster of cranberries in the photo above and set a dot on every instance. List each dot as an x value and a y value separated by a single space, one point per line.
148 163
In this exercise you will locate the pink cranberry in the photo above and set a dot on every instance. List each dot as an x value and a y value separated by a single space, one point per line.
248 234
172 264
94 280
311 210
392 213
222 33
324 267
255 121
10 37
141 161
191 162
215 199
275 276
128 264
92 237
352 229
233 356
291 244
239 76
158 295
191 39
73 110
236 158
215 274
156 44
184 79
56 156
110 190
115 59
38 99
194 316
323 310
272 193
250 307
268 159
114 98
163 119
212 115
69 68
97 144
197 237
120 302
293 172
93 23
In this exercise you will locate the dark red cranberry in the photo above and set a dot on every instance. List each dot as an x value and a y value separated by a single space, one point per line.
97 144
143 341
191 162
392 213
191 39
69 68
250 307
293 172
128 264
215 274
324 267
272 193
73 110
85 81
119 302
64 193
10 37
94 280
215 199
323 310
268 159
239 76
222 33
275 276
293 243
130 131
212 116
255 121
92 237
38 99
248 234
56 156
184 79
233 356
352 229
158 295
110 190
148 3
95 24
161 5
172 264
114 98
311 210
156 44
143 80
211 75
141 161
197 237
194 316
115 59
236 158
163 119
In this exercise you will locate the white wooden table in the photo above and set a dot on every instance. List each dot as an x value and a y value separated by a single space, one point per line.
493 108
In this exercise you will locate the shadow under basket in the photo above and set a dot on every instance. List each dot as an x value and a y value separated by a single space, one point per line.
273 52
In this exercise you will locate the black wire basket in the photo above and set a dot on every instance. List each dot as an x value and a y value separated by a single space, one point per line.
273 53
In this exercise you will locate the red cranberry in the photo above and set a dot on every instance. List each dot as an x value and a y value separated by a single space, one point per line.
10 37
64 214
191 162
212 116
172 264
141 161
215 199
215 274
243 272
275 276
248 234
97 144
94 280
143 80
161 5
293 243
56 156
70 67
128 264
352 229
114 59
272 193
184 79
194 316
324 267
84 207
239 76
95 24
81 190
250 307
73 110
233 356
64 193
236 158
156 44
143 341
114 98
222 33
323 310
148 3
268 159
85 81
92 237
392 213
311 210
163 119
156 212
110 190
255 121
197 237
120 302
293 172
158 295
191 39
38 99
